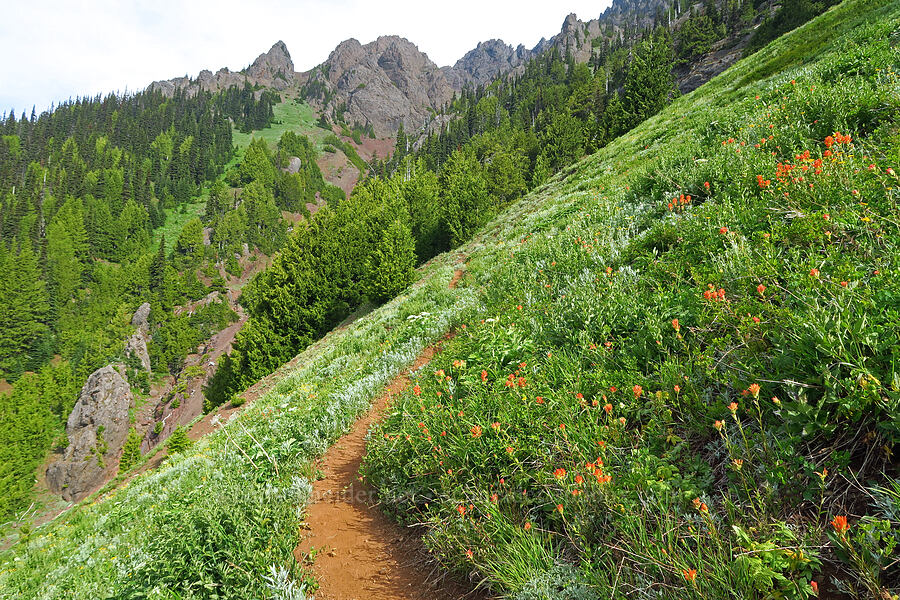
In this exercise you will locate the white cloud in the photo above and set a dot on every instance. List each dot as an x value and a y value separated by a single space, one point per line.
60 49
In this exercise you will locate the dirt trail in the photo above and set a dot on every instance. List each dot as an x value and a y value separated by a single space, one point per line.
360 553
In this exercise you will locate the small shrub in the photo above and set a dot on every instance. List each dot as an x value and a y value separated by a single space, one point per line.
178 441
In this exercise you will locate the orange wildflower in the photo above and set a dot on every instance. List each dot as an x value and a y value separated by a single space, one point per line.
840 524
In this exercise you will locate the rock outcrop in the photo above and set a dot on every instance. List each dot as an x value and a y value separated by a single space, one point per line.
273 69
484 62
96 430
136 346
141 317
385 83
390 82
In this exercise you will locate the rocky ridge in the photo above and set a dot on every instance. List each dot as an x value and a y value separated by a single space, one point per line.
389 82
273 69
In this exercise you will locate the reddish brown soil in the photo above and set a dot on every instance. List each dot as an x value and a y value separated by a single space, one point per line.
357 551
337 169
360 553
369 147
457 275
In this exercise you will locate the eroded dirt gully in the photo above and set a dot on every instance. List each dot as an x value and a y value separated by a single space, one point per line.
360 553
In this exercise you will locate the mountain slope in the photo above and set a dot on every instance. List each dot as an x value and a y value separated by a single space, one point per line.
223 517
675 341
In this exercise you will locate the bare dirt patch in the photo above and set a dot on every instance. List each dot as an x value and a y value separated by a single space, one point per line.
337 170
358 551
368 148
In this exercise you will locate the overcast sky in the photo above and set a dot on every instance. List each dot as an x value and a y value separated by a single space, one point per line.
58 49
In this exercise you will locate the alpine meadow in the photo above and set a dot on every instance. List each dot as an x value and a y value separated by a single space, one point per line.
617 316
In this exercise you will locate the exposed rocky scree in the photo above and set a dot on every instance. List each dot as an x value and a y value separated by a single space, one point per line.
97 425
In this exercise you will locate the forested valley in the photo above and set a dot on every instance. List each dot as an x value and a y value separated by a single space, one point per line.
87 191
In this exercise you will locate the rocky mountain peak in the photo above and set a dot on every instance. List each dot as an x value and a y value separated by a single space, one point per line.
570 23
385 83
481 64
274 69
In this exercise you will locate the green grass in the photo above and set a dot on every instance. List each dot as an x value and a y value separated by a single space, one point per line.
223 517
290 115
221 520
176 219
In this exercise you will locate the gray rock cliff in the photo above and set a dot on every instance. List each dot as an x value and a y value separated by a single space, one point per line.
96 430
273 69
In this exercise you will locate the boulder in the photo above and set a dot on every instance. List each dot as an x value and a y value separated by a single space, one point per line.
96 430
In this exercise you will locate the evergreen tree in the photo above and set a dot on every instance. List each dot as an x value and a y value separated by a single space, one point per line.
615 118
66 253
24 306
131 451
466 204
178 441
391 265
649 83
188 251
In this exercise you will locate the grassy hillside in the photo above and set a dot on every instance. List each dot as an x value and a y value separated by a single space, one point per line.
290 115
687 365
595 344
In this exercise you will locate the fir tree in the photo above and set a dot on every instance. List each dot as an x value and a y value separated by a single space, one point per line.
391 266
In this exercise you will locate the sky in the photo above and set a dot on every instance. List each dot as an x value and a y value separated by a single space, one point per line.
60 49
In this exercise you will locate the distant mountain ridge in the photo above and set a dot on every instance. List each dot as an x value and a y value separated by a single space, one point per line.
273 69
390 82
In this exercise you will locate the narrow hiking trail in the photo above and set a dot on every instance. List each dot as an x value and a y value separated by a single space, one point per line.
359 552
